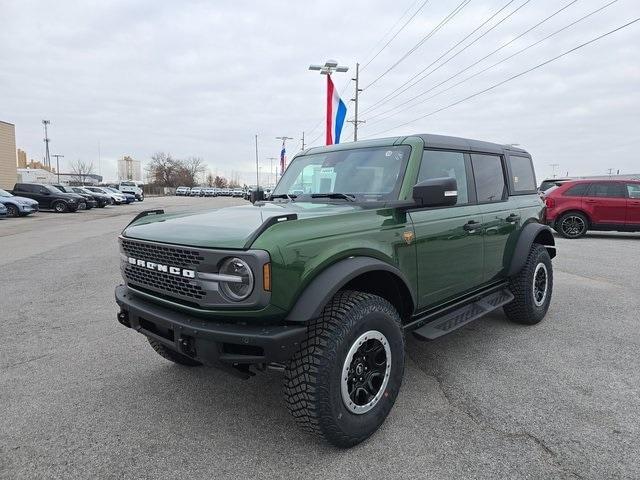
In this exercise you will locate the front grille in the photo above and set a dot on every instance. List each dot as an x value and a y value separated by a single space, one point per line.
163 281
179 257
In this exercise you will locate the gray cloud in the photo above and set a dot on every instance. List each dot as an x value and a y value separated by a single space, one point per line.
200 78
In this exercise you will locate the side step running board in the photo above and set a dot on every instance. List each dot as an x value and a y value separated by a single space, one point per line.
465 314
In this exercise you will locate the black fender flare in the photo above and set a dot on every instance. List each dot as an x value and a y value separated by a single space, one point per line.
528 236
330 280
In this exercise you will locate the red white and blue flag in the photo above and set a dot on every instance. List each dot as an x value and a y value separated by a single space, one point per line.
336 113
283 158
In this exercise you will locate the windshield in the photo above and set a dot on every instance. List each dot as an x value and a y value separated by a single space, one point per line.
53 189
4 193
127 184
365 173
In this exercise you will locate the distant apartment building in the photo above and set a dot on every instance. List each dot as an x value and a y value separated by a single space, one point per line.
8 168
22 158
129 169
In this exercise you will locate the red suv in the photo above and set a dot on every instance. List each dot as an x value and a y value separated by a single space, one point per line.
580 205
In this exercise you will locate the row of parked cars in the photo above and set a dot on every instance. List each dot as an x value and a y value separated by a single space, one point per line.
210 192
574 207
28 198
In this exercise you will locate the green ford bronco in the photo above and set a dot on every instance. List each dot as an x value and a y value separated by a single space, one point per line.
359 244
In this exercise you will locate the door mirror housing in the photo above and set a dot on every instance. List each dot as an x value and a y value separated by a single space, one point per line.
436 192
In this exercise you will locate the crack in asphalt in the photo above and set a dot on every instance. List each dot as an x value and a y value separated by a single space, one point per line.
483 423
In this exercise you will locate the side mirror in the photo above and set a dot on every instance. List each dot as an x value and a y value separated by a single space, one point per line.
436 192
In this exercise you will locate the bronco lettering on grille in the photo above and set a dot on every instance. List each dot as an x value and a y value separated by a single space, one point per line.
158 267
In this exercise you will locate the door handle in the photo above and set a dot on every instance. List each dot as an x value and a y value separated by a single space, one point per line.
471 226
513 218
590 201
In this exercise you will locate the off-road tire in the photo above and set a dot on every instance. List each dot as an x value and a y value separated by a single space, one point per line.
524 308
579 217
12 210
312 380
60 207
172 355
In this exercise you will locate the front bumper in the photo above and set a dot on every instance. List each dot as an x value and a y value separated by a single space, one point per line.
211 342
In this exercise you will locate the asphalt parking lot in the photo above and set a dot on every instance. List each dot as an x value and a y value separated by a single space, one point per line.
83 397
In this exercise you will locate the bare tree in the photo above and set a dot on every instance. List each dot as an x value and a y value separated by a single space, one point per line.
220 182
163 170
209 179
80 170
195 169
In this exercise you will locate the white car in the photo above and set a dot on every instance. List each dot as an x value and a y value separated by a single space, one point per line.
197 192
182 191
117 198
133 189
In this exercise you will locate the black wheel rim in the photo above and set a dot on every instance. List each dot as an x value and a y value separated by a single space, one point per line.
540 284
366 372
572 226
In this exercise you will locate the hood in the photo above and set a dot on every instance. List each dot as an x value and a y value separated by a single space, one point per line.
25 200
230 227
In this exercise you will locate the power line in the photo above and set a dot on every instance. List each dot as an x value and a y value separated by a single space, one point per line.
566 27
390 96
442 23
398 32
492 87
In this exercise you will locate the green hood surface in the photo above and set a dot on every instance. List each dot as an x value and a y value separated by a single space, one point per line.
229 227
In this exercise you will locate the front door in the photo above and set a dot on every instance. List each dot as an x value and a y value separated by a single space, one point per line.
448 239
606 203
633 205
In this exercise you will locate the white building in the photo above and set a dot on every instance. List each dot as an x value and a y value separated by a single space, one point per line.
129 169
36 175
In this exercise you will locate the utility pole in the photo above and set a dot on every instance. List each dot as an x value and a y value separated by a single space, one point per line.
302 139
47 157
554 166
257 169
282 165
610 170
355 120
58 157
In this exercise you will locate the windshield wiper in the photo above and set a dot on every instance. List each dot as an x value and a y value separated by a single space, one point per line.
345 196
283 195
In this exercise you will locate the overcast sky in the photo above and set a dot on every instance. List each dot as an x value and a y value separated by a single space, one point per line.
200 78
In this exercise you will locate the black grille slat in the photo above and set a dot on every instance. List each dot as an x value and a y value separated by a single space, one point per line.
174 256
164 281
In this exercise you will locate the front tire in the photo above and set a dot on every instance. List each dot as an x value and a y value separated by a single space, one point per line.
12 210
572 225
60 207
532 288
345 378
172 355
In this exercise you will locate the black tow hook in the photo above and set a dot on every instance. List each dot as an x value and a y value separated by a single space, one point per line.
123 318
188 345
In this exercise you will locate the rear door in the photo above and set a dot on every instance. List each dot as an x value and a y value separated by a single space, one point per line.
500 218
606 203
448 239
633 205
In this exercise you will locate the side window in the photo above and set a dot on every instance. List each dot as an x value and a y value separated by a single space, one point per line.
490 184
522 175
41 190
633 189
606 189
579 190
438 164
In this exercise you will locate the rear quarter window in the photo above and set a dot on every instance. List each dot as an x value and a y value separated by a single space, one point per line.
579 190
523 178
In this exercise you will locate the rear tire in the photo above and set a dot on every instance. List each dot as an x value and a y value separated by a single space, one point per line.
60 207
572 225
532 288
172 355
345 378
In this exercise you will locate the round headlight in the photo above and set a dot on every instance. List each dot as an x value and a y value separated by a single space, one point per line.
240 283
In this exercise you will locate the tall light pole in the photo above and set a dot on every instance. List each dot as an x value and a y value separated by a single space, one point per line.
47 157
284 140
302 140
257 169
271 177
355 98
58 157
553 169
329 67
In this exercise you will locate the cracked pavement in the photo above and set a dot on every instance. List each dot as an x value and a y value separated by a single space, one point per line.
82 397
